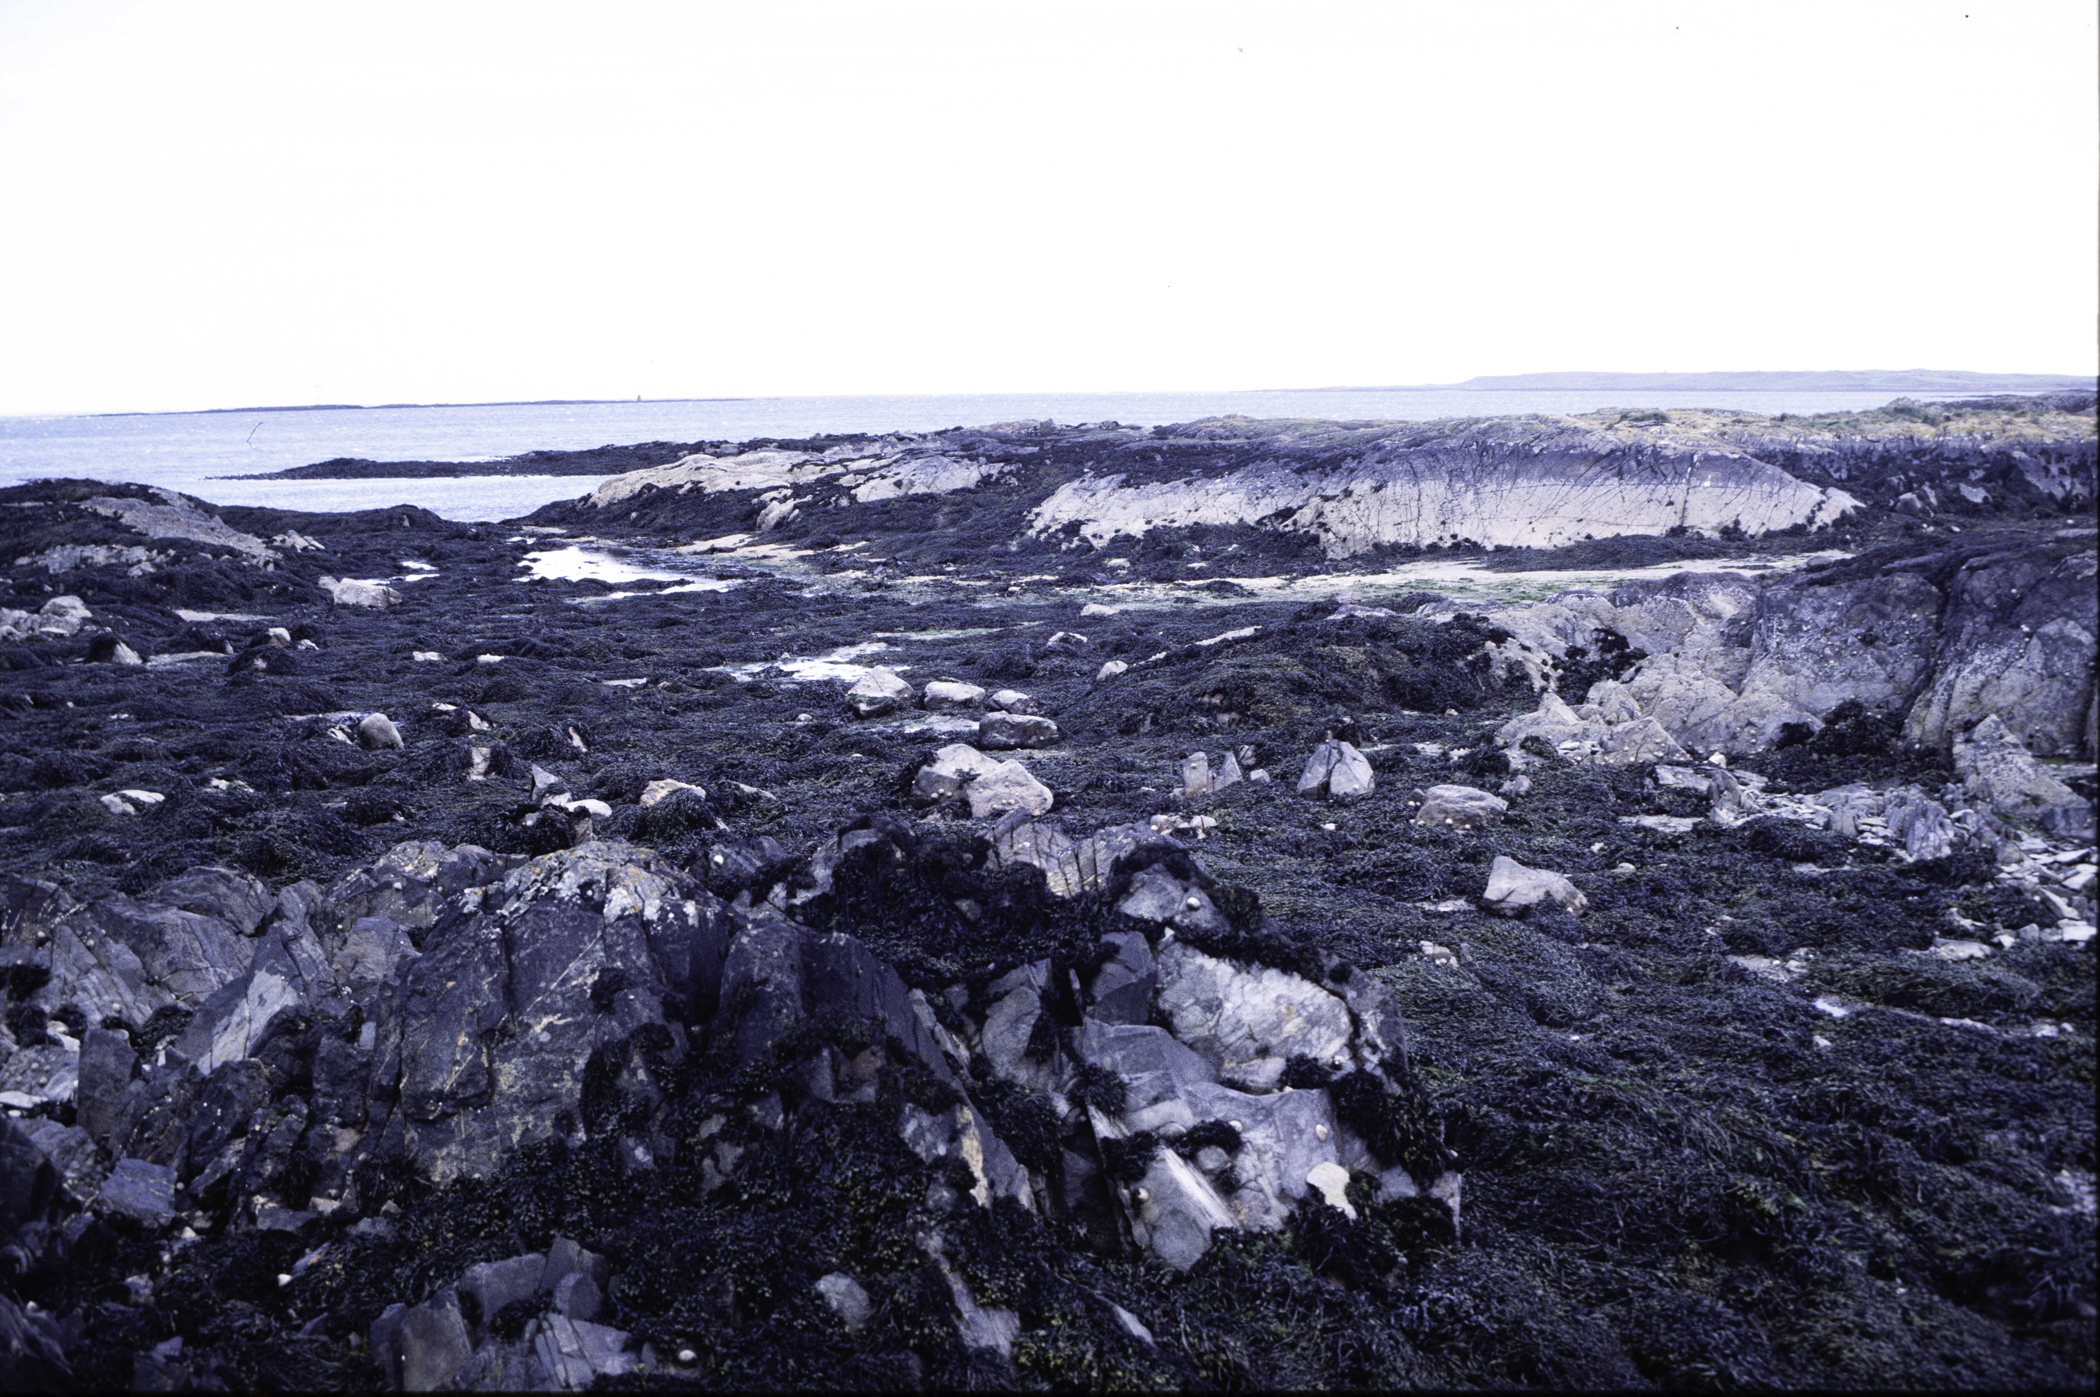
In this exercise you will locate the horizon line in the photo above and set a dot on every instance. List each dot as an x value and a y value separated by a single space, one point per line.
1479 383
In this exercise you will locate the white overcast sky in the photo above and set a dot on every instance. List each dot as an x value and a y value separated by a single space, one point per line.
217 204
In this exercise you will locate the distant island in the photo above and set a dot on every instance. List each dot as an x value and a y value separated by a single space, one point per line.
1748 381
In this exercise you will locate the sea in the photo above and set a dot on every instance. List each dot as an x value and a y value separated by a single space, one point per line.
197 452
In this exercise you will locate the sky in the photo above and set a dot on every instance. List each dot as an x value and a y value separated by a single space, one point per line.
206 205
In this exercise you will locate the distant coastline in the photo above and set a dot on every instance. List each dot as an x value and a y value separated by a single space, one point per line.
1747 381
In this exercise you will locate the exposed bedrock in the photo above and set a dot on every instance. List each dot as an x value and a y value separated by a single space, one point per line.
1940 640
1349 488
1504 495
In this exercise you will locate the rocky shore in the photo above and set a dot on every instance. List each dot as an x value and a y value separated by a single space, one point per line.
1069 906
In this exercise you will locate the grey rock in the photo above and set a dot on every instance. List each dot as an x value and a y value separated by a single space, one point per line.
1283 1137
1008 1027
1996 768
1513 888
578 1297
878 692
1006 787
107 1065
946 695
568 1258
2017 641
72 1152
952 768
430 1344
1249 1020
228 1025
378 732
1121 991
1071 867
490 1286
847 1298
1921 825
29 1182
48 1072
1156 895
1004 731
1337 768
1459 807
1157 1071
230 1097
139 1191
1195 775
575 1353
241 900
1227 774
1011 701
762 987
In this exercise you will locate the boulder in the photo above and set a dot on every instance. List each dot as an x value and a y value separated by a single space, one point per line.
944 695
877 692
999 731
1920 825
1513 889
1011 701
1337 768
351 591
1459 807
1006 787
140 1192
951 768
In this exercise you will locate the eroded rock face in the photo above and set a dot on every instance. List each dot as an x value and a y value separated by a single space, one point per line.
2019 643
1997 768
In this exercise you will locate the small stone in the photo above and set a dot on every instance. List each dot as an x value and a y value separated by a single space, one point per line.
1459 807
1512 888
1011 701
1000 731
1110 670
657 790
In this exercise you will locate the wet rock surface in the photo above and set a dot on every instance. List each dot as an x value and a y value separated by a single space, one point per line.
620 1001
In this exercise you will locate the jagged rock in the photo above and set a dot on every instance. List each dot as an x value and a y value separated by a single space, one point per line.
1002 731
1513 888
45 1072
1920 825
577 1296
1011 701
227 1025
73 1154
1156 895
107 1064
1459 807
29 1182
877 692
139 1191
1339 769
1121 990
1249 1019
2018 641
486 1036
1005 787
119 956
1070 867
1110 669
495 1284
1997 769
421 1348
945 695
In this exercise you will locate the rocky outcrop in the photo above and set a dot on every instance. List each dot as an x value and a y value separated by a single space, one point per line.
1727 663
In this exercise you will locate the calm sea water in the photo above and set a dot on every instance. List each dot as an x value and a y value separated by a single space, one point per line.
189 451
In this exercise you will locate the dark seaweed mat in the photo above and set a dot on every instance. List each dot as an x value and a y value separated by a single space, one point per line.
1667 1181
